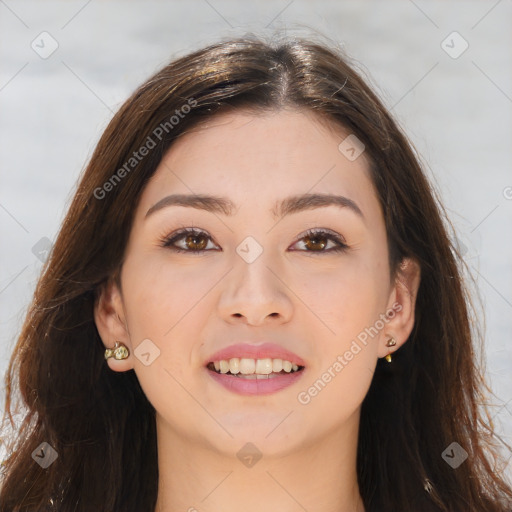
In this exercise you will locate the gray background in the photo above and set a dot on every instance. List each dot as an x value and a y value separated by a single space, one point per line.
457 112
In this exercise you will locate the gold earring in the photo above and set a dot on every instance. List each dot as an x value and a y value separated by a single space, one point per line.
390 343
120 351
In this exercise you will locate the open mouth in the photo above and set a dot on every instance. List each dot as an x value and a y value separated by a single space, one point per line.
246 368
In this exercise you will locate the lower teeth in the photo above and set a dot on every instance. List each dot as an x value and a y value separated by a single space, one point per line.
256 376
253 376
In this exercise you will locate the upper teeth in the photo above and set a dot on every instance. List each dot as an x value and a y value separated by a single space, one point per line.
248 366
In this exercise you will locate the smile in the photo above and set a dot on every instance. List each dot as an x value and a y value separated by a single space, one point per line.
248 376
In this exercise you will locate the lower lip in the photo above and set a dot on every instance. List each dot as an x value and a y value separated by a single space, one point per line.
255 386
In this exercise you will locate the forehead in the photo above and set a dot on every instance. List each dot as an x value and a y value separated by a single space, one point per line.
257 159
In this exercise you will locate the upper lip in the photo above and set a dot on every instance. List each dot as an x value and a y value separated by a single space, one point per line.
251 351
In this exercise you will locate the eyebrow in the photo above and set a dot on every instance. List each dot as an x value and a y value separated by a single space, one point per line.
225 206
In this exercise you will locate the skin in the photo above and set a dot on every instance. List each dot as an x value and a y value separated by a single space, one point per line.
313 303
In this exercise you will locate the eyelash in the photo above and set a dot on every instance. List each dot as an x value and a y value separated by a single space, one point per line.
311 233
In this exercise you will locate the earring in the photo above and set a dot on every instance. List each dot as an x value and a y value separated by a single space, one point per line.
390 343
120 351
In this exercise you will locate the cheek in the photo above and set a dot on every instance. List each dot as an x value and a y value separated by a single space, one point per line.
344 360
167 303
347 296
168 306
349 299
158 291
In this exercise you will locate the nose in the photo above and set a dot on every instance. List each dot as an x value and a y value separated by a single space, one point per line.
255 293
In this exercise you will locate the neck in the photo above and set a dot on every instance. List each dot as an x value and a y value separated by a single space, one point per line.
195 477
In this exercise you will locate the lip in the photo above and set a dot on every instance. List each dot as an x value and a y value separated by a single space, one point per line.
251 351
255 386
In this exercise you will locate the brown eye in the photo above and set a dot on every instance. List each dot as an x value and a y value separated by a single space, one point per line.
315 242
318 240
196 242
188 240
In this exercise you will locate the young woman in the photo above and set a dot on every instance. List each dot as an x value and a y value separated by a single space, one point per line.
252 304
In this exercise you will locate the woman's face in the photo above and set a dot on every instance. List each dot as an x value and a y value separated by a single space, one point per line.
257 277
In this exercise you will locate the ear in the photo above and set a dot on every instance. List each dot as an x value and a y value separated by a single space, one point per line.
110 321
401 304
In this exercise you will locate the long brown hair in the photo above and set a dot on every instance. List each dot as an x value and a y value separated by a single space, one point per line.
100 422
